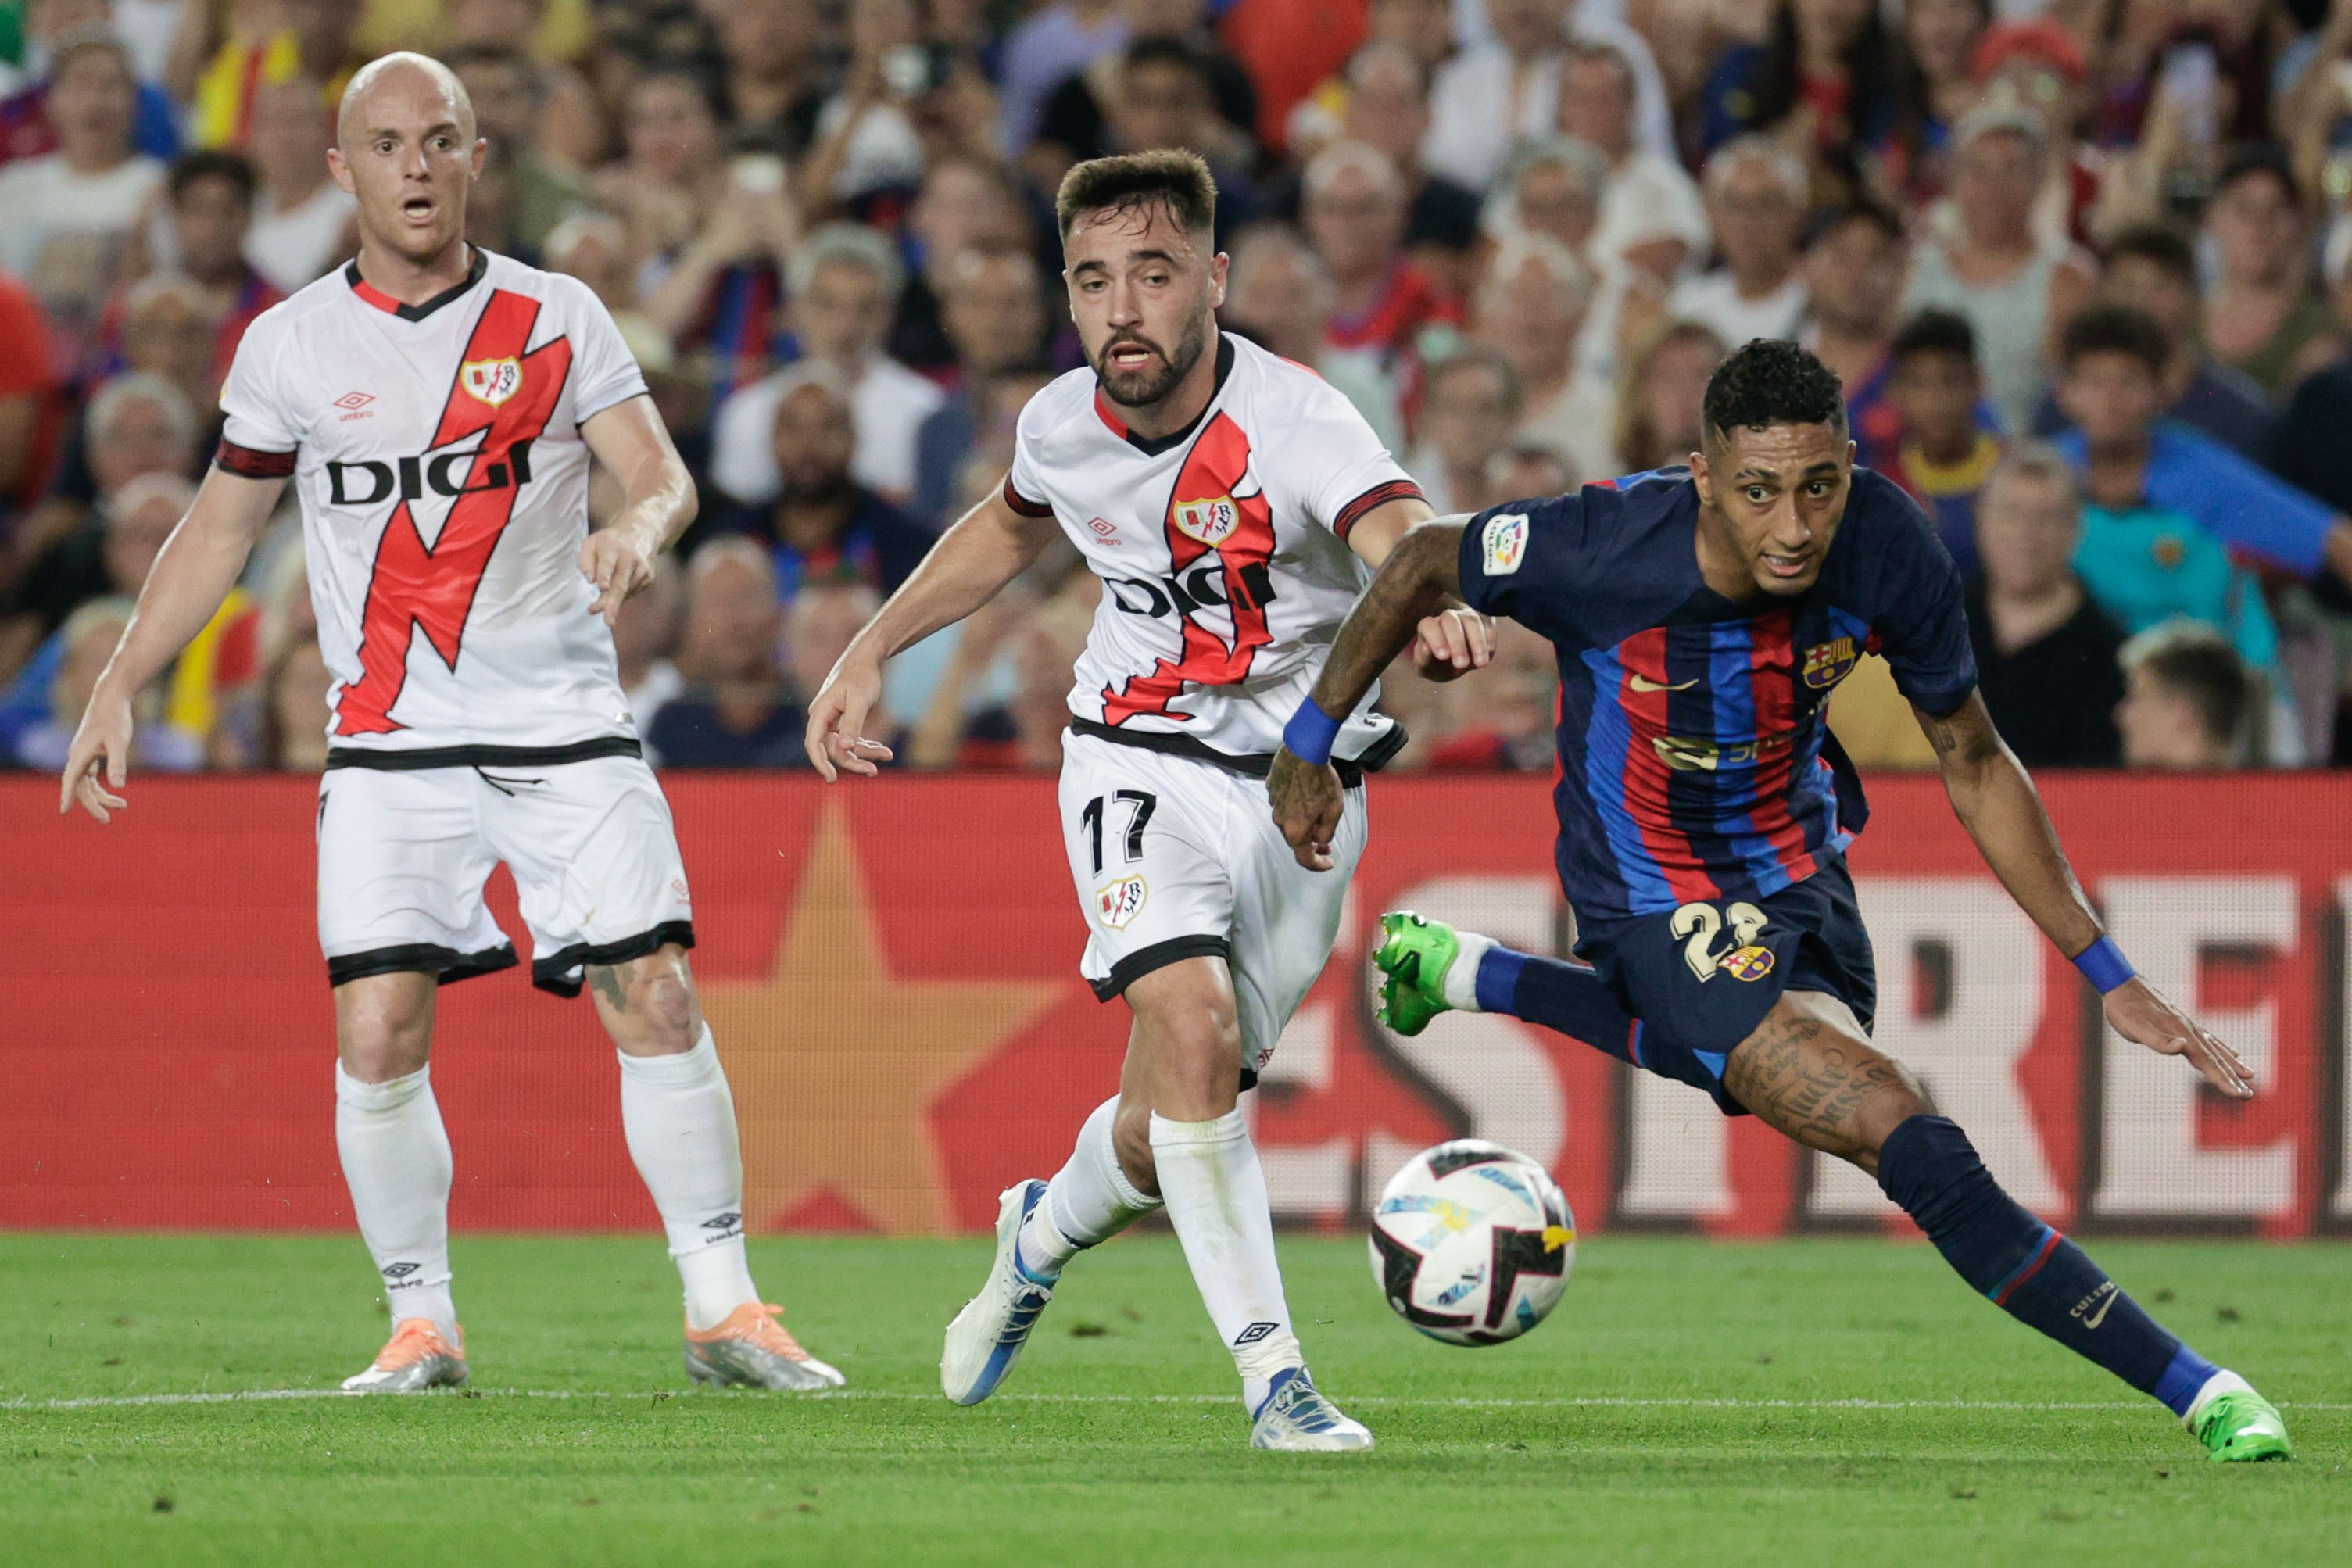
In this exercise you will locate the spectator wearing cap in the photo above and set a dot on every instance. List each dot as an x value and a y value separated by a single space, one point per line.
71 212
25 128
822 522
1944 455
994 313
1756 200
1279 294
844 280
303 223
1854 292
2129 456
1468 409
1649 203
2046 660
1529 311
1355 208
1991 267
519 196
2153 266
2037 66
2190 702
2262 316
736 711
1491 94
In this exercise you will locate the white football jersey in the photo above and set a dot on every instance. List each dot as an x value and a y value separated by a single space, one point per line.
435 450
1222 549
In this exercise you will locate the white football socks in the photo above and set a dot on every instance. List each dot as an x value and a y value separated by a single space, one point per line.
1088 1201
1215 1192
397 1161
680 1120
1461 983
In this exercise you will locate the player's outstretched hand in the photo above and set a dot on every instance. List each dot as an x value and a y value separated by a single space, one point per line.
1306 801
2137 1011
618 566
98 763
1452 643
834 742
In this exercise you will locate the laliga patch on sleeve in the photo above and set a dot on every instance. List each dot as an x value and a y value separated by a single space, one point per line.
1505 542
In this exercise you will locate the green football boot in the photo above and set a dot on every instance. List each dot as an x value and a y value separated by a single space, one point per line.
1412 958
2239 1428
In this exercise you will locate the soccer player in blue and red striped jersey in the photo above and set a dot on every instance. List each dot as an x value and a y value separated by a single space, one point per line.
1702 617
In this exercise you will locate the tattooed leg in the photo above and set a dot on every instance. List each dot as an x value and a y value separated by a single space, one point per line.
1809 1071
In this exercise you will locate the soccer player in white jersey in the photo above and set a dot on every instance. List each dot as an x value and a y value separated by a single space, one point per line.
435 407
1232 505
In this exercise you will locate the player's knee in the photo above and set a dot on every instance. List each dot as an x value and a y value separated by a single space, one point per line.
1896 1101
1187 1022
648 1004
383 1025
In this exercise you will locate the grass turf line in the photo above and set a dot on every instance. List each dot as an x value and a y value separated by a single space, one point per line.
1971 1472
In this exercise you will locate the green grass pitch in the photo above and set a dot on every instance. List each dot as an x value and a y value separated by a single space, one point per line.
1687 1404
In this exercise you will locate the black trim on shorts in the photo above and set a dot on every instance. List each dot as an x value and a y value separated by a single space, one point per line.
1159 955
548 973
424 757
446 964
1249 765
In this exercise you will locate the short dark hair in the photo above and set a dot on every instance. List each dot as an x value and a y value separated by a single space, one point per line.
494 53
1165 51
2197 664
2158 245
210 163
2115 329
1771 380
1170 176
1934 331
1860 210
2249 159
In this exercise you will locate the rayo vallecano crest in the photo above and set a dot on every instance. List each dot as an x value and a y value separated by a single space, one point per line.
491 381
1211 521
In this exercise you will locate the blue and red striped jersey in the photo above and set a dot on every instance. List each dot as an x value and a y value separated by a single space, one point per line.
1695 758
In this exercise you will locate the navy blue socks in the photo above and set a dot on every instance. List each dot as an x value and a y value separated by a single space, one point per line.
2026 1268
1562 996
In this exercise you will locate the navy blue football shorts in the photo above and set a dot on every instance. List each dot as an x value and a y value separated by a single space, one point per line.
1699 979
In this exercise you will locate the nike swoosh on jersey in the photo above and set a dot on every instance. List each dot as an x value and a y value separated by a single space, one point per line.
1643 683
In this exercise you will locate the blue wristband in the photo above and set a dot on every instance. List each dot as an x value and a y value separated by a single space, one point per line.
2102 963
1310 733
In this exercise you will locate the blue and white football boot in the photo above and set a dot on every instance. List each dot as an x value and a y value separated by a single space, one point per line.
986 1337
1295 1418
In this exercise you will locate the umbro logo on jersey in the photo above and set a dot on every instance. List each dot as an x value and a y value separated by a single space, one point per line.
368 482
491 381
354 400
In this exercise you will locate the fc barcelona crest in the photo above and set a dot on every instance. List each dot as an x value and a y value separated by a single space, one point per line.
491 381
1827 663
1750 963
1210 521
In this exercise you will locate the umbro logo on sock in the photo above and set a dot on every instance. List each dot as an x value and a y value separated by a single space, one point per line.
722 1222
1253 1333
400 1270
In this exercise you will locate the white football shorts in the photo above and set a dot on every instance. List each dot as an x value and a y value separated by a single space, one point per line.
403 853
1175 859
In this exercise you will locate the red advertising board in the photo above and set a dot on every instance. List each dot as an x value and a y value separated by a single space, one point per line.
891 971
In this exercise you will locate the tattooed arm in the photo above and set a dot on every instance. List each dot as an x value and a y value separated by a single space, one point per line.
1421 577
1998 806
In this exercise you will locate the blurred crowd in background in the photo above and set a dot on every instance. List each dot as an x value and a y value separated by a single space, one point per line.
2083 266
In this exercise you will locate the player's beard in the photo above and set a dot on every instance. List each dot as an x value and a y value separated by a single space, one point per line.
1142 388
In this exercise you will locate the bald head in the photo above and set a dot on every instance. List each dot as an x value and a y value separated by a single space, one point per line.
405 81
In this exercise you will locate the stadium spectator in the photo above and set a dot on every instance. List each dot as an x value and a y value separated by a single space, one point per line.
2154 268
1755 200
735 711
1355 209
818 625
164 325
645 636
1530 312
1040 640
2190 701
1167 98
1659 397
1526 468
1944 455
209 198
1078 115
1388 111
1935 85
2046 654
1468 408
293 731
71 212
519 196
593 248
1649 198
2262 317
844 281
823 523
31 411
1824 77
1551 188
774 73
1279 294
1993 267
2129 458
995 316
302 221
1491 94
866 147
1509 707
2308 449
671 182
966 203
1853 290
1052 44
27 130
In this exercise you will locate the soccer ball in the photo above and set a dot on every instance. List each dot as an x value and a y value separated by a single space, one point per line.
1472 1243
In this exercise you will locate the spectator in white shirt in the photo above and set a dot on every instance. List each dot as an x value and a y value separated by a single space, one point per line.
1755 193
844 280
1647 189
302 225
1489 96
